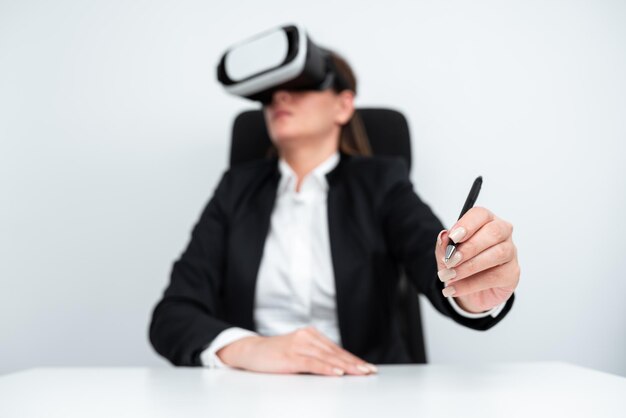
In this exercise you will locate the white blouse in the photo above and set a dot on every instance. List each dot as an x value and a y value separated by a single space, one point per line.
296 284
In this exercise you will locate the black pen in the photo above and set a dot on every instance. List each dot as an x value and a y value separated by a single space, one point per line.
469 203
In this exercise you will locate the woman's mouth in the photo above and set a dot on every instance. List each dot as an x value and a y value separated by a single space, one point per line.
280 113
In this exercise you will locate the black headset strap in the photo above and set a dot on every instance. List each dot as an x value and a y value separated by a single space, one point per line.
333 76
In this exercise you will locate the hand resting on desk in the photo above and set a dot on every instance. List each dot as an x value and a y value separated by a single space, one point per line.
304 350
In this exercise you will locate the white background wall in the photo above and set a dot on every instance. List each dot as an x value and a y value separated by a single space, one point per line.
114 132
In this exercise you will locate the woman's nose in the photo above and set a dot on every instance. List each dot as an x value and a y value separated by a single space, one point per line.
280 96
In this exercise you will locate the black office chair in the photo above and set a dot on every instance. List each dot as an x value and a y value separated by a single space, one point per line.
388 133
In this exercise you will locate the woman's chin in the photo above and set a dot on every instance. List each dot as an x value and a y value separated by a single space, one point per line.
284 140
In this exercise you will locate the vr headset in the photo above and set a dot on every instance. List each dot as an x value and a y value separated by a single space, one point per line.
284 58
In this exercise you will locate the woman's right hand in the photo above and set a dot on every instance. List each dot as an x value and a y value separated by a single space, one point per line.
304 350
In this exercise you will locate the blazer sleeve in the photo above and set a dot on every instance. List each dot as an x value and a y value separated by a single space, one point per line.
184 321
411 230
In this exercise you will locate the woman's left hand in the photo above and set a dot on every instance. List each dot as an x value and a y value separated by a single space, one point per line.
484 270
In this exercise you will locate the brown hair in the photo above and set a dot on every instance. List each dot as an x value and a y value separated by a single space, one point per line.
353 137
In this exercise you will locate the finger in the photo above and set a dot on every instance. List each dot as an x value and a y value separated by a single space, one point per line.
493 256
307 364
440 248
332 359
503 277
490 234
315 337
469 223
322 341
328 345
443 271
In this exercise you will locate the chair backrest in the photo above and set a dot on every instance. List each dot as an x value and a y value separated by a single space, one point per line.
386 129
388 134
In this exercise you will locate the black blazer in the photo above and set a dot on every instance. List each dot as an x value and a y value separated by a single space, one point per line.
377 226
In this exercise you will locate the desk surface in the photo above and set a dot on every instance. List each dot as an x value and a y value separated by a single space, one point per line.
482 390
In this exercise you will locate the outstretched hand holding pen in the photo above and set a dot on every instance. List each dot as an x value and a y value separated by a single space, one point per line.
482 270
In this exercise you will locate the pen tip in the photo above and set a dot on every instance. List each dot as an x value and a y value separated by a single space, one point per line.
449 250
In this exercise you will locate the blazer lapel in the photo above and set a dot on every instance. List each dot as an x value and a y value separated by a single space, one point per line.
345 253
251 234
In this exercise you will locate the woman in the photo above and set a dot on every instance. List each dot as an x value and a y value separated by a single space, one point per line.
294 262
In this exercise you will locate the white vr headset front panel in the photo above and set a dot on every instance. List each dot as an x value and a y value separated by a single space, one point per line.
267 49
257 56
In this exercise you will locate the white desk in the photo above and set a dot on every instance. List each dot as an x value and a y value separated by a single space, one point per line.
421 391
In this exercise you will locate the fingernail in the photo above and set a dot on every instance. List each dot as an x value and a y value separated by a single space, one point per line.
373 368
457 234
456 259
363 368
338 372
446 274
449 291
